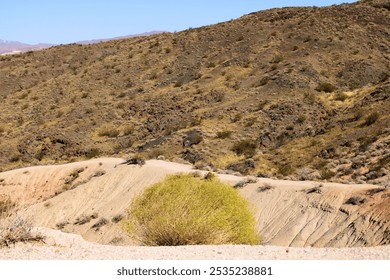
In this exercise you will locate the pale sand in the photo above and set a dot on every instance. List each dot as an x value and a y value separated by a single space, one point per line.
63 246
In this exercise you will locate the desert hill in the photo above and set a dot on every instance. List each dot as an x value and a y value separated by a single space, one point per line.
296 93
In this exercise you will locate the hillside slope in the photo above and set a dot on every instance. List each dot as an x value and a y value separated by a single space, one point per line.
298 93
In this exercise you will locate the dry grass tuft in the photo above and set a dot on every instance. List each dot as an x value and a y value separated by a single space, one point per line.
18 230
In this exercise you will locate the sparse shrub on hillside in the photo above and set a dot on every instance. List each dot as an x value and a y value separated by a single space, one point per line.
188 210
326 87
117 218
245 147
17 230
193 137
261 104
122 94
39 154
285 169
195 121
6 206
358 115
355 200
155 153
135 159
310 98
371 118
15 157
243 166
326 173
210 64
277 58
84 219
94 152
365 142
265 187
121 105
381 163
128 130
341 96
224 134
237 117
178 84
108 131
249 122
316 189
102 221
301 119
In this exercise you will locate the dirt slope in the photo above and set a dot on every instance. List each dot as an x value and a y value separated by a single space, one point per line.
289 213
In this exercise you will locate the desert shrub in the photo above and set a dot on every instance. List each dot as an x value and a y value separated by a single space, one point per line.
108 132
17 230
224 134
301 119
316 189
244 182
285 169
15 157
237 117
355 200
245 147
83 219
261 104
357 115
309 97
94 152
128 130
371 118
99 224
326 87
263 81
265 187
381 163
250 122
193 137
366 141
195 121
135 159
188 210
6 206
117 218
341 96
327 174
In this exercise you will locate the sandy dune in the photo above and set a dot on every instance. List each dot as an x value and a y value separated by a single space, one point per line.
294 214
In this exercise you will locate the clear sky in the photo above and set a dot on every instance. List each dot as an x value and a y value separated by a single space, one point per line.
67 21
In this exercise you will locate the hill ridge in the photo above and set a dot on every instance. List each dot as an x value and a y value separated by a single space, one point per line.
292 93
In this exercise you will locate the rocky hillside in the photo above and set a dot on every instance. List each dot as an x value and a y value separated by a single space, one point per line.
298 93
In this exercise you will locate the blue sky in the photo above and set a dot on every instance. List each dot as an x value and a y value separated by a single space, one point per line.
67 21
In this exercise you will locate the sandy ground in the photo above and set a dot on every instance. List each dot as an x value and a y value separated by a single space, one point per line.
63 246
292 217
